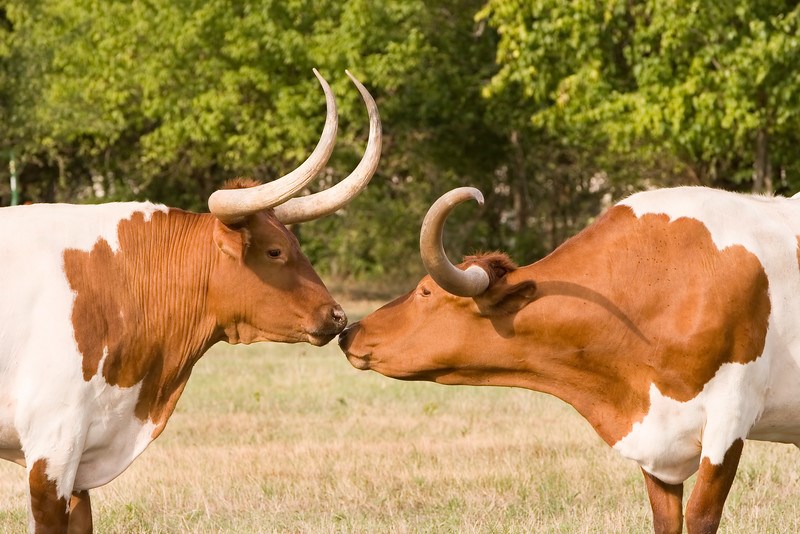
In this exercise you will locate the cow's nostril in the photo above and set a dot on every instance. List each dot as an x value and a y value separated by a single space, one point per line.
338 315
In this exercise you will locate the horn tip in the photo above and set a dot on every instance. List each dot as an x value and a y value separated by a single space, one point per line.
479 197
350 75
470 192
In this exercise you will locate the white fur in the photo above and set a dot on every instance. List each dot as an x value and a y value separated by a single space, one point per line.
86 431
758 400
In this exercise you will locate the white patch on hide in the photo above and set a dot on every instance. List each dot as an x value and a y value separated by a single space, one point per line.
671 439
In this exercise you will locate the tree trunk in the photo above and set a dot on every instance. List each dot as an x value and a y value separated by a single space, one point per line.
519 184
762 178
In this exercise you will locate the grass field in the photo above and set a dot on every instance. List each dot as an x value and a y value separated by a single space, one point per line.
290 438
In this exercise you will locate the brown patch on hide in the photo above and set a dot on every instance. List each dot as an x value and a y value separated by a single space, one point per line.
48 509
136 309
681 309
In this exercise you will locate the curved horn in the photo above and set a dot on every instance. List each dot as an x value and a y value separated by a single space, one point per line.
468 283
234 205
314 206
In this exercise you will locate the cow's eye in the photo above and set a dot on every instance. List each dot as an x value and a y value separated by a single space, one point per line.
425 291
274 253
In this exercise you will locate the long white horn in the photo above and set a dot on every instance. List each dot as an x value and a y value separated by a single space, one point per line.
314 206
234 205
467 283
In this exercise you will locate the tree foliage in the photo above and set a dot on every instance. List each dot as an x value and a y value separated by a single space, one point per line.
551 108
712 84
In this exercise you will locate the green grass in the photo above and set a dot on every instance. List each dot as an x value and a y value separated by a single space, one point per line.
279 438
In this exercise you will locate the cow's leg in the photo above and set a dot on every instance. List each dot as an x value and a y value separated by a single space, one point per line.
704 509
80 513
666 501
49 512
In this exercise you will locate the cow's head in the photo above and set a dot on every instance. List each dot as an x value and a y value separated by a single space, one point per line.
421 335
262 286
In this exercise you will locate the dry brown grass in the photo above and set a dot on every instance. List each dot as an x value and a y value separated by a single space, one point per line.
276 438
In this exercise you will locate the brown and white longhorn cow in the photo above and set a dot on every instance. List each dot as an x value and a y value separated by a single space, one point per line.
672 324
106 308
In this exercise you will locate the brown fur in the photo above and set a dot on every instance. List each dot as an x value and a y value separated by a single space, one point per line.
240 182
49 511
704 509
666 503
139 327
80 513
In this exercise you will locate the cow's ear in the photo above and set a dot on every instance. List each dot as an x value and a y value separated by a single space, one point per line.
503 298
232 241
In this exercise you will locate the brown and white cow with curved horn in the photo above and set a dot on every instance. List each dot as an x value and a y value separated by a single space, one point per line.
106 308
672 324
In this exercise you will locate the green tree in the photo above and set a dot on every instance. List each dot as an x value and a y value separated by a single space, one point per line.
551 108
164 100
710 85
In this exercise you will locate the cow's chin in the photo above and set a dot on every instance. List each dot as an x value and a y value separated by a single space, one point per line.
369 362
359 362
318 340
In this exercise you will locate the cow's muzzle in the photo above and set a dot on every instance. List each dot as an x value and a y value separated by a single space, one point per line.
359 361
335 321
344 336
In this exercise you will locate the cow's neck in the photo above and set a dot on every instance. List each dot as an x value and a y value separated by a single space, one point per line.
580 343
140 314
